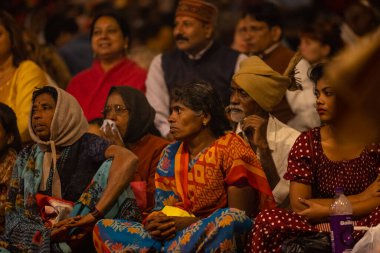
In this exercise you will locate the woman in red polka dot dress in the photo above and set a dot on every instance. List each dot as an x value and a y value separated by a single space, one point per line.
317 165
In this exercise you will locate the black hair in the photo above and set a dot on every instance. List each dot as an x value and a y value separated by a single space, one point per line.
327 32
8 120
46 89
57 25
316 72
266 12
121 21
18 47
201 96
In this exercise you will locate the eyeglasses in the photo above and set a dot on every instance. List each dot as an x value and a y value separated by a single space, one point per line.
118 109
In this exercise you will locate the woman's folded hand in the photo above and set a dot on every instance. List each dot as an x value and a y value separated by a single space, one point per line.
160 226
373 190
183 222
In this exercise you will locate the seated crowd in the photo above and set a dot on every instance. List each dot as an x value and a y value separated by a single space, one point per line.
215 161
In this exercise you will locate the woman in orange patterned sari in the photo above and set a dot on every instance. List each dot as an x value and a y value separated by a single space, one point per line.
208 184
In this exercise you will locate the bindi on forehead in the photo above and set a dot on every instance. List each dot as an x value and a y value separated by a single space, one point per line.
39 101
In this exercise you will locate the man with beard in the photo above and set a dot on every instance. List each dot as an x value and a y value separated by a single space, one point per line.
197 57
255 90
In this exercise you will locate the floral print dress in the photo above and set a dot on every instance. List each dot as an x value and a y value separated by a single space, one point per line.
25 230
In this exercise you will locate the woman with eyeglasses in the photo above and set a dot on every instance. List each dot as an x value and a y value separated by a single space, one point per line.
208 184
133 117
110 39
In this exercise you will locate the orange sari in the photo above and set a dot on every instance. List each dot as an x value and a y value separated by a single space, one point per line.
200 186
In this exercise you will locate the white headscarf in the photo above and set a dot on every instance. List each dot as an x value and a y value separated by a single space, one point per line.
67 126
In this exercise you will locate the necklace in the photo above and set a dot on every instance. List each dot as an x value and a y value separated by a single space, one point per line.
60 163
6 77
3 86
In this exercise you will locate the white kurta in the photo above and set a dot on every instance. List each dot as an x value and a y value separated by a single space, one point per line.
302 102
280 138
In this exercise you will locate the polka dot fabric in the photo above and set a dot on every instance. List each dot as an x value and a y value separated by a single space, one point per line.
307 164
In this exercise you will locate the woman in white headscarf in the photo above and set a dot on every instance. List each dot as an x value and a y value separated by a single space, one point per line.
65 165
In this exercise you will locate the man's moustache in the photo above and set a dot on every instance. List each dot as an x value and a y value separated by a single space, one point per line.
181 37
235 108
236 113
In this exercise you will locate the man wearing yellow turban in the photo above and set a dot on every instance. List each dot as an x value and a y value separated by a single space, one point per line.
255 90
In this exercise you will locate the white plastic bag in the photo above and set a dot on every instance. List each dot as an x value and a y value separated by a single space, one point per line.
370 243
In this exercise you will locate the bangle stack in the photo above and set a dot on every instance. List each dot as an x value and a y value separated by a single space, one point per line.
98 215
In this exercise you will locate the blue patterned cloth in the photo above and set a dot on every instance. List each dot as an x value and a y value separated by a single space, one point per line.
223 230
25 230
220 229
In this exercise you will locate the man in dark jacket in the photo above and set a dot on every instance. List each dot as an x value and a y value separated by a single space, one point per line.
197 57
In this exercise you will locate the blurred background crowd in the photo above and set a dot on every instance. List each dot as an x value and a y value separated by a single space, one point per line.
264 66
63 26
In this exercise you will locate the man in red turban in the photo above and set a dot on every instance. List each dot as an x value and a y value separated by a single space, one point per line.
197 57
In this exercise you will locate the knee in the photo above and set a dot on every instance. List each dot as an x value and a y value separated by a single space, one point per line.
234 212
104 223
234 217
100 227
265 216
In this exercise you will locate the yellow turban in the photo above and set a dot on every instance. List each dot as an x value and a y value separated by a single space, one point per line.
262 83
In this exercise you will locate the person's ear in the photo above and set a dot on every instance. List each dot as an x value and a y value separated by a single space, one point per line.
326 50
10 139
206 119
126 44
276 33
209 28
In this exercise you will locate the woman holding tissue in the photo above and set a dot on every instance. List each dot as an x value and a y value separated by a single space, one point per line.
129 122
319 163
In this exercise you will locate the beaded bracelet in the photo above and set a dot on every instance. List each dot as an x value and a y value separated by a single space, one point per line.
97 214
